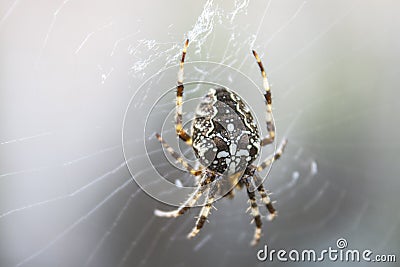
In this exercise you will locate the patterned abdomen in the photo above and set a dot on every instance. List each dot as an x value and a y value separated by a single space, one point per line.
225 136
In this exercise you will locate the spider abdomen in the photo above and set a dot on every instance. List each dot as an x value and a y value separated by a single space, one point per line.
225 135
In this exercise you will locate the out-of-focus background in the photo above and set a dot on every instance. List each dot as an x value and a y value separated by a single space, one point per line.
70 70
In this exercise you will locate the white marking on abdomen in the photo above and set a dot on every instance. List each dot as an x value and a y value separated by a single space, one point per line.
232 149
242 152
222 154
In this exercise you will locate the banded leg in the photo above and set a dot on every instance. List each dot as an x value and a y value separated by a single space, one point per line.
268 98
266 200
178 157
205 211
271 159
179 94
186 205
255 212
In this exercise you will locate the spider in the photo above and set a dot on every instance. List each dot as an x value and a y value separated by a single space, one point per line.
224 150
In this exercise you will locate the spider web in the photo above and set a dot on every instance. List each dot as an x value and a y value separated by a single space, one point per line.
70 68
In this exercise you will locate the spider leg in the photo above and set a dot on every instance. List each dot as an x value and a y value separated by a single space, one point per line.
179 93
205 211
270 124
255 212
266 200
178 157
187 204
267 162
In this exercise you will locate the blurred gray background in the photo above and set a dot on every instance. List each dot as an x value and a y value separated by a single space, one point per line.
70 68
